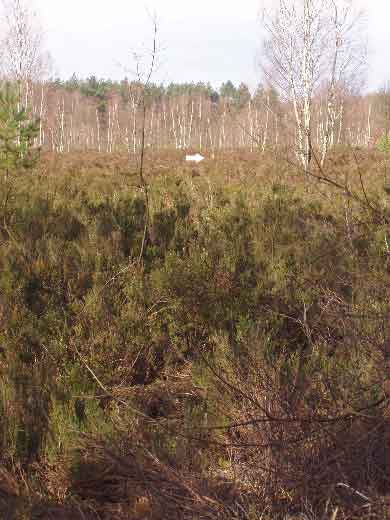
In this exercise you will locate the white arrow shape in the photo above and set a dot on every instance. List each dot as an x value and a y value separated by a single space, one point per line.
194 158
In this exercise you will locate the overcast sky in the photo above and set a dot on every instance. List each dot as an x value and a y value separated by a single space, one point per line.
203 40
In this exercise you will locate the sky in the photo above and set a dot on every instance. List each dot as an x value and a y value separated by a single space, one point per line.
201 40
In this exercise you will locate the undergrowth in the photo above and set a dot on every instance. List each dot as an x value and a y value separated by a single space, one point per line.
239 370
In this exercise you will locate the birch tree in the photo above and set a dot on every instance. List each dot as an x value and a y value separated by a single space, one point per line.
312 44
23 57
23 54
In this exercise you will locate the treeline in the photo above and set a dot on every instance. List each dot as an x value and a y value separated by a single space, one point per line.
107 116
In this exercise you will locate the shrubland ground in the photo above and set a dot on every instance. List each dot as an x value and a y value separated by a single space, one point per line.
237 365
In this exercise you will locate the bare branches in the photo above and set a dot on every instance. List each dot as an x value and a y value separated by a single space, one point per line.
143 80
313 47
23 55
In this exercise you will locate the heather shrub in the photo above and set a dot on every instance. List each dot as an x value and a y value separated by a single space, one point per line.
244 349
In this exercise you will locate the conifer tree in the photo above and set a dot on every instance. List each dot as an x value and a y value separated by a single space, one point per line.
17 132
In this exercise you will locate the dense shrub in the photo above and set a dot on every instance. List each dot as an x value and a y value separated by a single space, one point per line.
245 350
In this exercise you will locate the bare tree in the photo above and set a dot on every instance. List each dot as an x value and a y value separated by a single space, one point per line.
146 63
23 56
311 45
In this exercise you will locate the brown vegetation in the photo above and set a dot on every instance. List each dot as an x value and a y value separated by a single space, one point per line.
241 370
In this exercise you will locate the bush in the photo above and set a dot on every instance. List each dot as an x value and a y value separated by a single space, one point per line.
384 144
243 361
